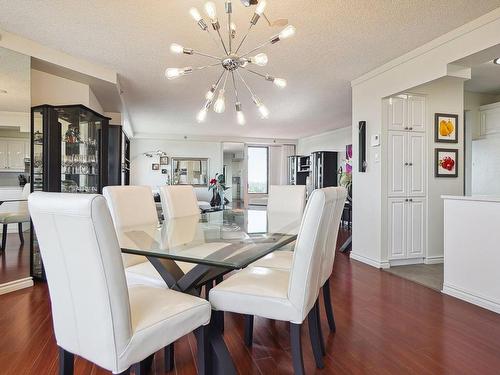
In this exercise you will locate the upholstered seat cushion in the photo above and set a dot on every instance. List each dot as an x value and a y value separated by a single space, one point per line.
154 312
14 217
144 274
281 259
256 291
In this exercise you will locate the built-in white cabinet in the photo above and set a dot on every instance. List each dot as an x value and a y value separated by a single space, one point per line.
406 113
405 117
13 152
490 119
406 164
407 217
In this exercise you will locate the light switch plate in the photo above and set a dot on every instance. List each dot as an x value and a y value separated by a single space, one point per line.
375 140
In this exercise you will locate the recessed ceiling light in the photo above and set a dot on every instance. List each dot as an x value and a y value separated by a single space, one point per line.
497 61
2 91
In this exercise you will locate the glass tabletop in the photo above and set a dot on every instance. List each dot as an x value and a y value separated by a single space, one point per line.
229 238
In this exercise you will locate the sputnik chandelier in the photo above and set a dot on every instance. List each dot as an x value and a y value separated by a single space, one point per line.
231 62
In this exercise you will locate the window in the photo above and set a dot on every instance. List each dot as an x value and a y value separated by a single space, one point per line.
257 170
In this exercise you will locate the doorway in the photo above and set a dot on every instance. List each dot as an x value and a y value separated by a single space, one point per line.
234 172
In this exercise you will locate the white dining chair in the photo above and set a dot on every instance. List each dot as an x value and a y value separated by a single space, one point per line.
178 201
15 213
286 295
95 315
133 206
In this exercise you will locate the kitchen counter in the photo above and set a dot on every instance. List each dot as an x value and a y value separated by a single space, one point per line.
472 250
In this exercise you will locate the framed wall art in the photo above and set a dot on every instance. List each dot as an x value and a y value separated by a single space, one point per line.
446 128
446 162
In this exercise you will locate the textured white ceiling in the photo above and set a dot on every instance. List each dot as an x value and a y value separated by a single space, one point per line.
336 42
485 79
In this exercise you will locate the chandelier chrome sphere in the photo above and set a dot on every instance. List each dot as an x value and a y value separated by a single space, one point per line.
232 62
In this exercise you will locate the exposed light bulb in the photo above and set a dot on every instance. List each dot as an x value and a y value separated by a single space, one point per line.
240 116
232 30
261 59
202 116
280 82
210 93
264 112
497 61
173 73
195 14
211 10
261 7
220 103
176 48
287 32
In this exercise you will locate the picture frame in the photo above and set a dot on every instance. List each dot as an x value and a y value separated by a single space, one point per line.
445 128
164 160
155 167
446 162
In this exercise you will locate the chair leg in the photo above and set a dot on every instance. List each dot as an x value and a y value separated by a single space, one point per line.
204 350
4 236
20 230
296 343
248 330
328 306
314 334
66 360
169 357
320 331
126 372
143 367
220 314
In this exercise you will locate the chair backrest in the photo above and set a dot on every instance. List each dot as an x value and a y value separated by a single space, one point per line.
178 201
131 206
306 268
88 291
289 199
26 191
333 231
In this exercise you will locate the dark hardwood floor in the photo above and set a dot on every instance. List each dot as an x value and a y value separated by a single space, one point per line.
385 325
15 262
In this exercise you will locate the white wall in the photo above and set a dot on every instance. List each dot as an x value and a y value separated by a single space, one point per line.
423 65
334 140
140 167
50 89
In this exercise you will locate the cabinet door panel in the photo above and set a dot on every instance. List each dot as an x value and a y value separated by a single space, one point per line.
397 228
397 158
396 113
4 160
490 121
16 153
416 228
417 164
416 113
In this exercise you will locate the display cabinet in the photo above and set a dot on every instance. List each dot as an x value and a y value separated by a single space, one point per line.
69 148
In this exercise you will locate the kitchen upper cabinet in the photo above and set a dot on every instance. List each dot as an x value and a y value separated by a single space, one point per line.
416 113
12 154
397 113
407 217
490 119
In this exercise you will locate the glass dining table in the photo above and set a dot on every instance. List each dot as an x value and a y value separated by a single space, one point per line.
194 251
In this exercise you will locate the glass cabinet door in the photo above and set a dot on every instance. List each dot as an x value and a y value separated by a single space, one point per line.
80 133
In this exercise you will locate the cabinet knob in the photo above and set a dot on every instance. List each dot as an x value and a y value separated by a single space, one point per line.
410 164
411 200
406 164
406 200
406 127
411 128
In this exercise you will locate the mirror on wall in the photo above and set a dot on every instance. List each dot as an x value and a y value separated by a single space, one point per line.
190 171
15 109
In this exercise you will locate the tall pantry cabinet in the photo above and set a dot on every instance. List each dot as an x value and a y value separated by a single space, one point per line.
405 118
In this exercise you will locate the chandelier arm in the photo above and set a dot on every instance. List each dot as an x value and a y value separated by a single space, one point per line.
229 11
257 48
206 55
205 66
222 41
244 38
254 72
216 42
235 88
246 85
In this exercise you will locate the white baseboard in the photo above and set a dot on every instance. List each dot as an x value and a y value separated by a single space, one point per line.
434 260
405 262
471 298
371 262
16 285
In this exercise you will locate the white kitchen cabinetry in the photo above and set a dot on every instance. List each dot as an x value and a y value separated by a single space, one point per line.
490 119
406 171
12 154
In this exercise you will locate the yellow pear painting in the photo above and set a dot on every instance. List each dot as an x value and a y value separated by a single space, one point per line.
446 128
